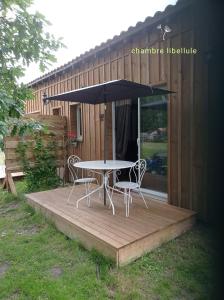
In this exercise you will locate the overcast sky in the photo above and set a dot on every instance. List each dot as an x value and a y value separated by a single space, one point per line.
85 24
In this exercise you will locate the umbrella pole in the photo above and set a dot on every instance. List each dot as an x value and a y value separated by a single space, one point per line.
105 152
104 189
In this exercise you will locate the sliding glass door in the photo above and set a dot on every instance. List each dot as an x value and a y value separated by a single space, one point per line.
140 131
152 119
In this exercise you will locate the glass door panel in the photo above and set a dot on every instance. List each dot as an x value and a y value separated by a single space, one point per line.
153 141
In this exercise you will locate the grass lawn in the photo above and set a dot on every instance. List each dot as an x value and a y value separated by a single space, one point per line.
38 262
149 148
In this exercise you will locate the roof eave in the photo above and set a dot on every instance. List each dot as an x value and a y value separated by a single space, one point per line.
149 21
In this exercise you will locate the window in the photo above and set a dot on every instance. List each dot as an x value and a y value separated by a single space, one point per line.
56 111
76 120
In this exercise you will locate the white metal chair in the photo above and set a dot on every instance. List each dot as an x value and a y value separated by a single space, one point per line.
136 172
79 179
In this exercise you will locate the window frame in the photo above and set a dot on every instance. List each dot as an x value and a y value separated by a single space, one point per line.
57 108
78 120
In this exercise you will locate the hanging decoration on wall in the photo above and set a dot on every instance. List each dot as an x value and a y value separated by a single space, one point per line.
72 138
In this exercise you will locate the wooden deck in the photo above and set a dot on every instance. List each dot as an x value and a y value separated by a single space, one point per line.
121 238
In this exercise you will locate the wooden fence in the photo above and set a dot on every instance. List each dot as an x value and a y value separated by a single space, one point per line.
56 125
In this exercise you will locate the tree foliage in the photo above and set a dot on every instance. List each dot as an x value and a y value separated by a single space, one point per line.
153 118
23 40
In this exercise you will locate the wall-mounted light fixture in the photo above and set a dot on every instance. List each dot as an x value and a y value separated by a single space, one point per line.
45 100
164 30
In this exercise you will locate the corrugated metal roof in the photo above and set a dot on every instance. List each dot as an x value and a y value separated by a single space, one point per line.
149 21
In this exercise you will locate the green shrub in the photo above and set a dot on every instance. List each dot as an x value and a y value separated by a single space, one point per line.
42 174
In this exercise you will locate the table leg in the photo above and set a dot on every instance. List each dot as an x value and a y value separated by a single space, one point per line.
86 196
111 202
104 189
103 186
126 198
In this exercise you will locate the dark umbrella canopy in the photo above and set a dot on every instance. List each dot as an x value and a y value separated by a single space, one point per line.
109 91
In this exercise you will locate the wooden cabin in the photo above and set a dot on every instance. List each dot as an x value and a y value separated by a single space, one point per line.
178 144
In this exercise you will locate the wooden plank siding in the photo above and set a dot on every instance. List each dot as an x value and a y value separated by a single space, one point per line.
187 108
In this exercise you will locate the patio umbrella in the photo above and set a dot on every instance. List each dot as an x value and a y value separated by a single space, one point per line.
108 92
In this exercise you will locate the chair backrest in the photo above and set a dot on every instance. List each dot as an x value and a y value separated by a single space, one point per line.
71 161
138 171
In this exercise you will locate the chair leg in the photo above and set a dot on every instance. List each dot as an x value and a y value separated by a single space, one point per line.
126 201
125 192
99 190
131 200
70 194
140 193
112 193
88 189
87 192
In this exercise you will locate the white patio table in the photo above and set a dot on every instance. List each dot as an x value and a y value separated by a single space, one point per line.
105 169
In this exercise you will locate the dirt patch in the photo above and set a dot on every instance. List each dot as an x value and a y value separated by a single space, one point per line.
8 208
3 233
29 230
14 296
111 293
4 266
56 272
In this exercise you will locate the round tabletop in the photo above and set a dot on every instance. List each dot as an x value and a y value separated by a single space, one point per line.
100 165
